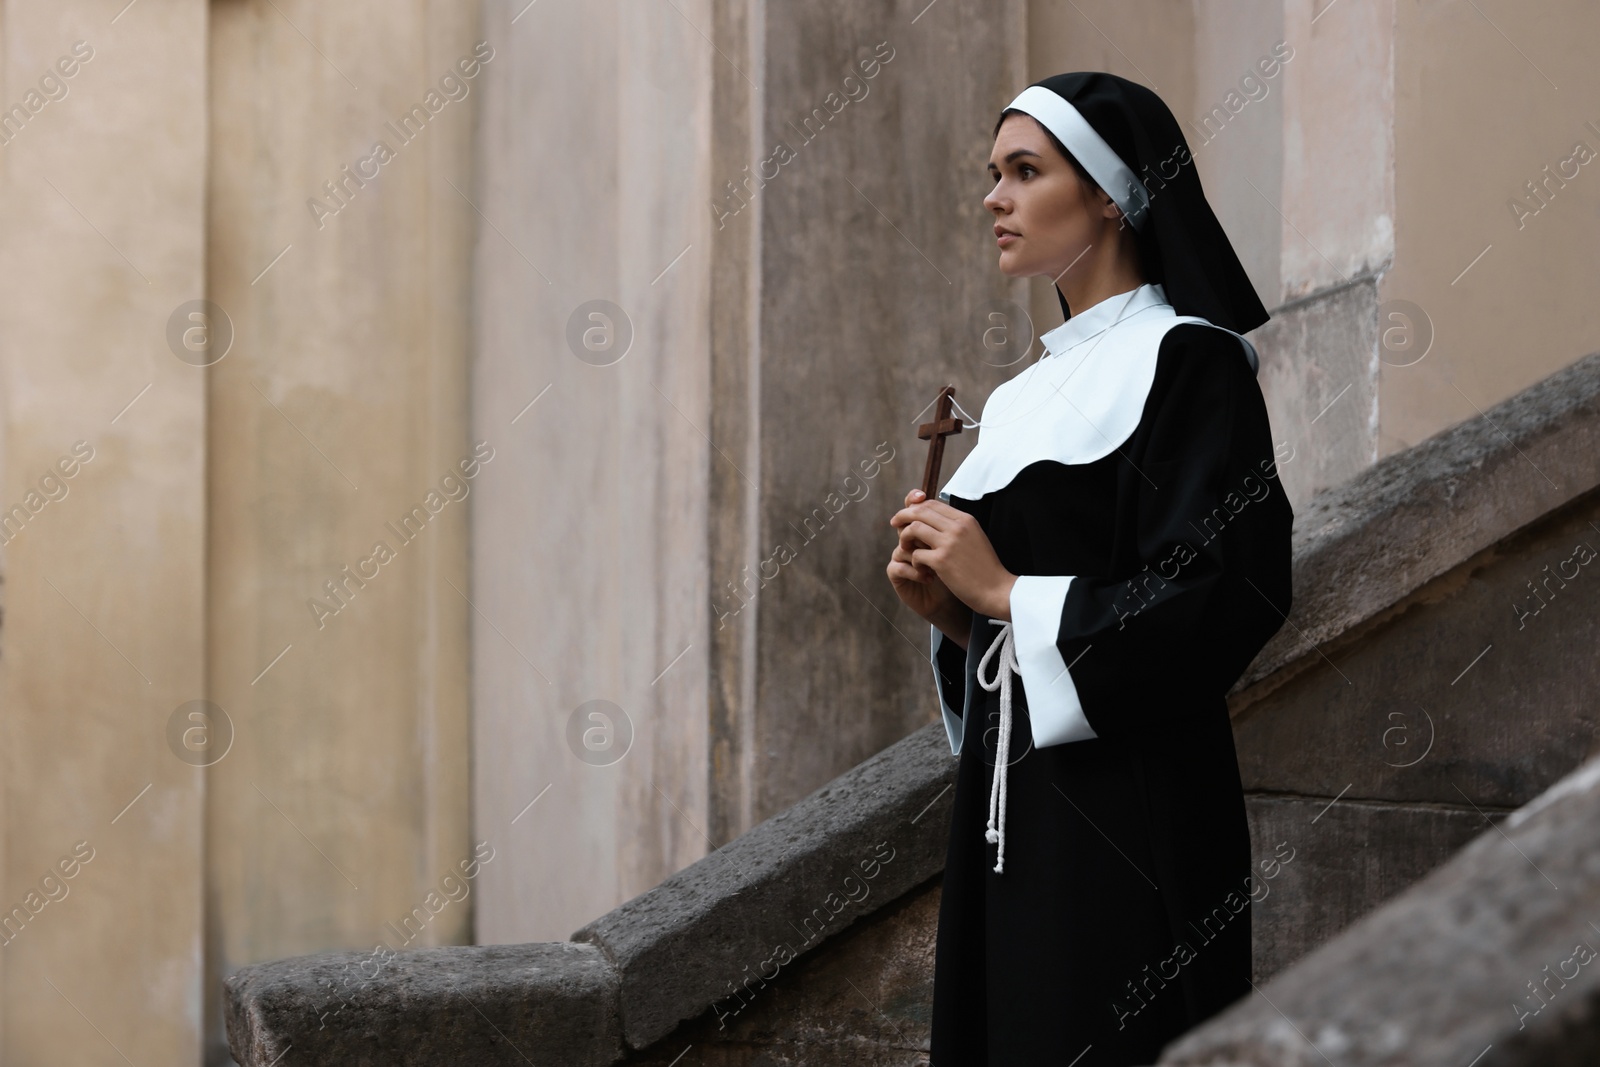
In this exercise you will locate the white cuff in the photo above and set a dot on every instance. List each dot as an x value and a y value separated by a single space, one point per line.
1053 708
952 722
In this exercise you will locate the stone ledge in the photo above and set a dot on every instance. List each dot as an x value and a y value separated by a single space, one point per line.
689 941
1440 974
1365 545
638 971
489 1004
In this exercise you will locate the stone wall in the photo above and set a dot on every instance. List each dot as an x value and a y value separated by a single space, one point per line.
1487 961
864 292
1463 703
867 1000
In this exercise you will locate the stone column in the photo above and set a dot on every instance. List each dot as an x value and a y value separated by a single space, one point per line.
867 264
341 474
102 448
590 314
783 207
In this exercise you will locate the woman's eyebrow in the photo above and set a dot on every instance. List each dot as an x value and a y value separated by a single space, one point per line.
1016 153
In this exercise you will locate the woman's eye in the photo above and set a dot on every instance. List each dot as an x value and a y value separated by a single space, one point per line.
1025 170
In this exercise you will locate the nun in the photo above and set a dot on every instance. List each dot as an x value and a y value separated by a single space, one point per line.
1096 574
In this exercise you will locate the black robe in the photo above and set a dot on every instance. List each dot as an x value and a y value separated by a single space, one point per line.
1122 916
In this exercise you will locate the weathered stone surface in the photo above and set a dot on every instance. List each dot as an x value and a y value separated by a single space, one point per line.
1490 960
1321 865
860 290
623 97
864 1000
341 406
1476 691
500 1004
1365 545
1319 377
866 997
863 840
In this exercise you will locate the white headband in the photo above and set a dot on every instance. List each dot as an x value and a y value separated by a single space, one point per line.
1090 149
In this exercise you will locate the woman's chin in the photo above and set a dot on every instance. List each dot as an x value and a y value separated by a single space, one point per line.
1011 265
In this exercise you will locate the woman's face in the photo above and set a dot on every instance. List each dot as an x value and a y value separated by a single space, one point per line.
1038 197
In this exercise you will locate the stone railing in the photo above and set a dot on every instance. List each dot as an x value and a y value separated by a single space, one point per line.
1492 960
799 878
1365 545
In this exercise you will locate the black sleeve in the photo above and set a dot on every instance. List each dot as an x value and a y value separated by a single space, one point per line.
950 666
1205 562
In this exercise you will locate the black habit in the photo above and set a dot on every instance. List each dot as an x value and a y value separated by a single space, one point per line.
1128 478
1121 918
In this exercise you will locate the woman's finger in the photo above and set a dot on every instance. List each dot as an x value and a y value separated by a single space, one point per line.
936 513
919 534
902 554
905 572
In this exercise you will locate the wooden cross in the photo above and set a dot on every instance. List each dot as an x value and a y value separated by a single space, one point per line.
942 426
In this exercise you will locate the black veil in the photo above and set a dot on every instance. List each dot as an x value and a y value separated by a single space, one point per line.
1182 246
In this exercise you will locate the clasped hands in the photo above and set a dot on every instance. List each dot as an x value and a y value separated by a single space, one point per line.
945 565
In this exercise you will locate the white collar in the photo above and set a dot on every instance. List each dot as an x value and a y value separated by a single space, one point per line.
1098 318
1081 400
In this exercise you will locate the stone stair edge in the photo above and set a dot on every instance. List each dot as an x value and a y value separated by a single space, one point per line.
1489 917
1366 544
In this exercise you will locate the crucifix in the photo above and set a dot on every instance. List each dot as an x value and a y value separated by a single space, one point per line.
942 426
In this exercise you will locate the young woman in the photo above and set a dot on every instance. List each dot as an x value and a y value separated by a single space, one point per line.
1110 556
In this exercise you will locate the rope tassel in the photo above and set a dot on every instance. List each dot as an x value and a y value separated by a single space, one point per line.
996 833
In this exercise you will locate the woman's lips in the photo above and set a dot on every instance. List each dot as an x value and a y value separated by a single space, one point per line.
1006 238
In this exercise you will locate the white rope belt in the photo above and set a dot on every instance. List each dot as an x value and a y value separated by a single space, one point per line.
996 833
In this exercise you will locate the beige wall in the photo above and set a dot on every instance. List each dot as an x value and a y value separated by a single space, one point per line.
1234 125
1151 43
1336 204
1476 121
102 237
589 543
1338 144
341 408
218 500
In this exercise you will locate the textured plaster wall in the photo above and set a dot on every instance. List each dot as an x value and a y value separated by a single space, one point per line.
589 546
103 235
340 408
